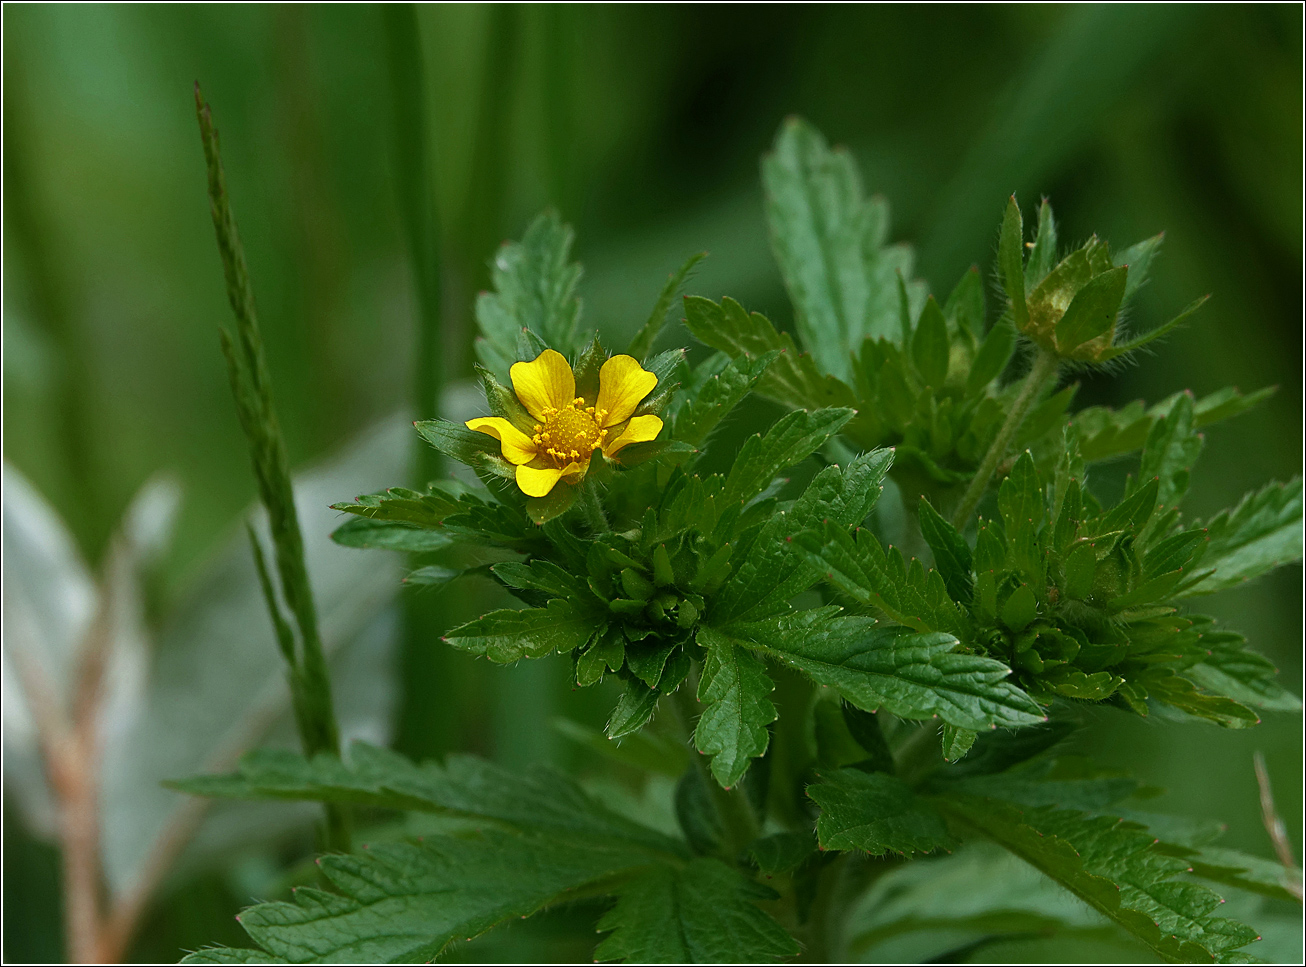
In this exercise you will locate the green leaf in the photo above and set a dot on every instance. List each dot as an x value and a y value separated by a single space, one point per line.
507 635
642 344
773 571
1138 258
911 675
1263 532
734 689
875 813
992 358
793 438
635 707
956 742
534 289
391 535
1171 449
1163 685
781 852
532 801
454 440
865 729
1157 333
1092 312
828 239
1105 433
930 345
1043 256
965 306
793 379
874 576
427 509
404 902
1233 670
1242 870
701 913
951 552
555 503
1113 866
1011 262
718 396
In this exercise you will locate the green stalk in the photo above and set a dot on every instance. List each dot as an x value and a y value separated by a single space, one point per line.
1045 367
593 507
738 824
310 682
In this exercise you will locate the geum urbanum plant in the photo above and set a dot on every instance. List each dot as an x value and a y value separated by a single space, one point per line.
849 708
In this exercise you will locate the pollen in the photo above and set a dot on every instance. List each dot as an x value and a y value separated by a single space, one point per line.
570 434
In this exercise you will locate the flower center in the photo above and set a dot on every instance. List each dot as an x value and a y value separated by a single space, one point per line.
570 434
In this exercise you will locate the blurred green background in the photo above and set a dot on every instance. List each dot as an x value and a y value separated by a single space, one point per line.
643 126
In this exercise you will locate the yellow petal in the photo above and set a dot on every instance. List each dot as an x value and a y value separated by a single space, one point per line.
545 383
623 384
640 429
517 447
537 482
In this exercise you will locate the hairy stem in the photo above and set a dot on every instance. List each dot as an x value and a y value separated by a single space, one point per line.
1045 367
738 824
593 507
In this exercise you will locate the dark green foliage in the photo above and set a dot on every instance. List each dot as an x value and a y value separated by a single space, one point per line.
813 691
875 813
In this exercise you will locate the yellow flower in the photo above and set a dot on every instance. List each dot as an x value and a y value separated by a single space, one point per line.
567 428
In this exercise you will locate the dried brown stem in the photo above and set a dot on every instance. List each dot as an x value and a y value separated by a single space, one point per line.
1274 826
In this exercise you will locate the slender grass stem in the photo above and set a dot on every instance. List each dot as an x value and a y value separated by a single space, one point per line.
1045 367
310 681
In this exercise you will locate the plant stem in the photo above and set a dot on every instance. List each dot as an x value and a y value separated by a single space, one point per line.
1045 367
738 824
593 507
247 370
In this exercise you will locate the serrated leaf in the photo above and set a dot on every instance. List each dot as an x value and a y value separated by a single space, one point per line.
506 636
878 577
793 379
391 536
930 345
1163 685
793 438
782 852
1112 866
773 570
1043 256
642 344
718 396
534 801
635 707
734 689
951 552
956 742
1261 533
1171 449
704 912
534 289
1106 433
829 240
456 441
404 902
911 675
1233 670
875 813
1011 259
